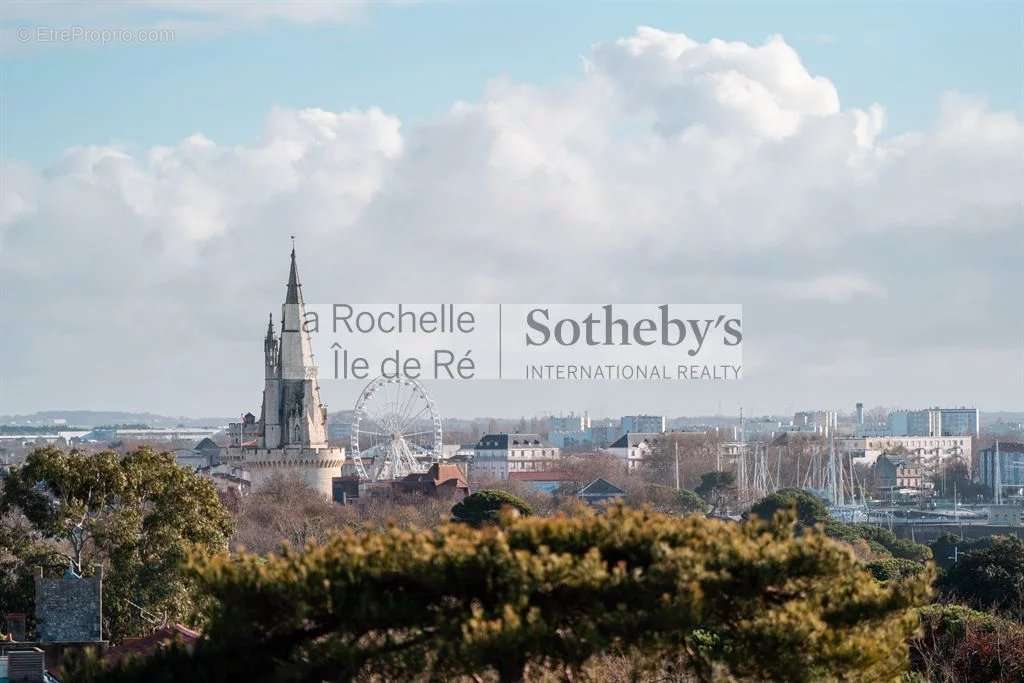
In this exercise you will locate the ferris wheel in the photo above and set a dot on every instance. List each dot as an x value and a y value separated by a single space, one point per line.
395 429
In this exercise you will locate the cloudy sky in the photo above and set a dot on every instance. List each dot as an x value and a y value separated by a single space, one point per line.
853 177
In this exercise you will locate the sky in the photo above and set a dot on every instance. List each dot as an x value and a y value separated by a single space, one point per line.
850 173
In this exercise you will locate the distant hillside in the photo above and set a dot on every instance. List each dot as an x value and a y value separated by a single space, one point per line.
96 418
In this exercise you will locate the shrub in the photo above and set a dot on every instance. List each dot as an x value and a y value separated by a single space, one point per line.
958 643
484 506
894 568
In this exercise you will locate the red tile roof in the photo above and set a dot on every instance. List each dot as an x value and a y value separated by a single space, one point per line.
147 645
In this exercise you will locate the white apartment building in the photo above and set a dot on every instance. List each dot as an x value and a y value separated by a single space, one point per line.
932 450
934 422
498 455
633 448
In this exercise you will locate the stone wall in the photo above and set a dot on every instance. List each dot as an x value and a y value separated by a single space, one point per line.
69 608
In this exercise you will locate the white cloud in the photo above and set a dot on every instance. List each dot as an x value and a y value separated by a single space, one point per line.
670 170
833 288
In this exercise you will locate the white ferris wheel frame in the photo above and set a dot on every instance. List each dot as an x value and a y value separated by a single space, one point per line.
398 458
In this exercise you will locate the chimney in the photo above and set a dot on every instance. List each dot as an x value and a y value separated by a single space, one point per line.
860 414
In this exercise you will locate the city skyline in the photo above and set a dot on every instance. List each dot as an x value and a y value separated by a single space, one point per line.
868 236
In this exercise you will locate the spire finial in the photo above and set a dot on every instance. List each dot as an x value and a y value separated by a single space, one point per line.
293 295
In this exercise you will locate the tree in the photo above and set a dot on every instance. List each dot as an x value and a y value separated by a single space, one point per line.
690 503
742 600
483 506
810 509
22 549
714 487
139 515
955 477
666 499
948 548
285 510
689 453
990 578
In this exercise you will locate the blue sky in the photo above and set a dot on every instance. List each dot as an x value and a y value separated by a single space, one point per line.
869 245
416 60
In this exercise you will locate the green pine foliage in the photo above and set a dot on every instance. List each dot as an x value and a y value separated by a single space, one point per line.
484 507
810 509
990 577
751 600
894 568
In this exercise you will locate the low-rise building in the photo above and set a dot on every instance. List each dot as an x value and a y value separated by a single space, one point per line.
440 481
549 481
600 492
896 475
634 447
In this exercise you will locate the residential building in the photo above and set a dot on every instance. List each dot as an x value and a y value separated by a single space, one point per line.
650 424
634 447
498 455
600 492
584 439
899 423
603 433
444 481
896 474
205 454
569 423
440 481
1010 468
817 421
924 423
960 422
931 450
934 422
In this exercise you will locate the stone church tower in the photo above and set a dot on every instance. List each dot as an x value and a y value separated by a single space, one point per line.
292 434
